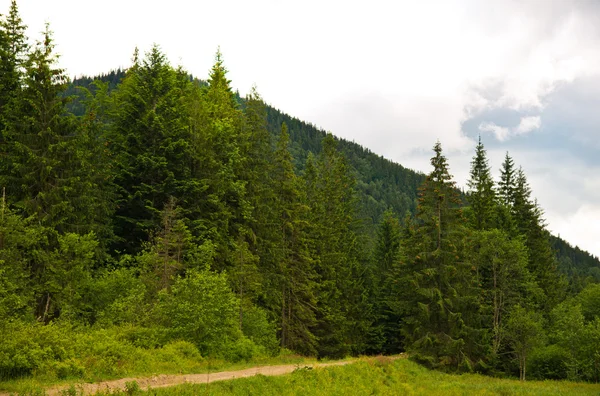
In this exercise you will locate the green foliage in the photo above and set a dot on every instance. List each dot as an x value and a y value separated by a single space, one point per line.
580 267
524 331
13 52
542 262
378 376
151 141
550 362
442 310
115 297
504 280
292 269
385 333
132 387
202 309
589 298
16 239
508 183
256 326
481 194
343 312
30 347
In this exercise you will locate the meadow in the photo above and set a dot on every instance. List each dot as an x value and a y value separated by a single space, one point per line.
374 376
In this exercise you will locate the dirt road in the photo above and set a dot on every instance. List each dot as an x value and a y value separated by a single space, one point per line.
162 381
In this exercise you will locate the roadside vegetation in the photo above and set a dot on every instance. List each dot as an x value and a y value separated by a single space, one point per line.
380 376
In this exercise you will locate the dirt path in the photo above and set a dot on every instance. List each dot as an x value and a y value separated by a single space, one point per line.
162 381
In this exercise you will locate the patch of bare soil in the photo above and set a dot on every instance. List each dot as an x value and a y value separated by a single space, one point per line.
162 381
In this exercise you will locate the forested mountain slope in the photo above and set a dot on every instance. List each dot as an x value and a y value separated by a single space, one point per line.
382 184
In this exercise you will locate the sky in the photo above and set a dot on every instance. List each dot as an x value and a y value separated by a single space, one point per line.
393 76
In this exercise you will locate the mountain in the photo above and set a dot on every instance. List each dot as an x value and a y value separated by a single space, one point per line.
382 184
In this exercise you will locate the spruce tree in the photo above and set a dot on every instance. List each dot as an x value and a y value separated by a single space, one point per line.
344 314
531 225
436 326
151 143
294 272
48 170
49 179
386 257
224 211
507 183
13 54
481 194
255 169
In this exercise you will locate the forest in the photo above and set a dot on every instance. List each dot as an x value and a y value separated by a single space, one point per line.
146 211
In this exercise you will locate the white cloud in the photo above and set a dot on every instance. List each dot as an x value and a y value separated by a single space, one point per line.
526 125
501 133
580 228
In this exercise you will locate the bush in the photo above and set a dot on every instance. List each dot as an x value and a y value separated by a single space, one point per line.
550 362
143 337
70 368
116 297
257 328
132 388
589 298
28 347
104 352
241 350
179 350
201 309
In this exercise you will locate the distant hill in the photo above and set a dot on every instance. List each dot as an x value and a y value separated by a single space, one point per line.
382 184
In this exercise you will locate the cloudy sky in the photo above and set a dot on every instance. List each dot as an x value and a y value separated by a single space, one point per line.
391 75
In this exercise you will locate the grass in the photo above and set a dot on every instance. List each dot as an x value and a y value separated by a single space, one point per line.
368 376
145 363
376 376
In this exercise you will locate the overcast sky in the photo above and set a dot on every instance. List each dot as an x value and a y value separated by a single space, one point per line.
393 76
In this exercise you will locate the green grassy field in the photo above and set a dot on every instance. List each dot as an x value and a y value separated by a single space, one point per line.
378 376
143 363
369 376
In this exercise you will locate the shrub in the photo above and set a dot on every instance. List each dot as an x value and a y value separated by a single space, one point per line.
257 328
201 309
143 337
241 350
589 298
179 350
116 297
70 368
550 362
27 347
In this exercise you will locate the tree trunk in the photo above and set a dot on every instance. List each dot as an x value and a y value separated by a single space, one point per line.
496 313
283 327
439 244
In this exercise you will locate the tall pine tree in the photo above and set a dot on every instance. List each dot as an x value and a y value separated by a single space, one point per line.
293 273
151 143
343 311
13 54
436 326
481 194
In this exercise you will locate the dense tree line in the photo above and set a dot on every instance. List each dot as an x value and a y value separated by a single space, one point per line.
174 208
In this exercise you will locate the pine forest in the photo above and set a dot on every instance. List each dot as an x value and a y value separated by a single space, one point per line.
146 211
